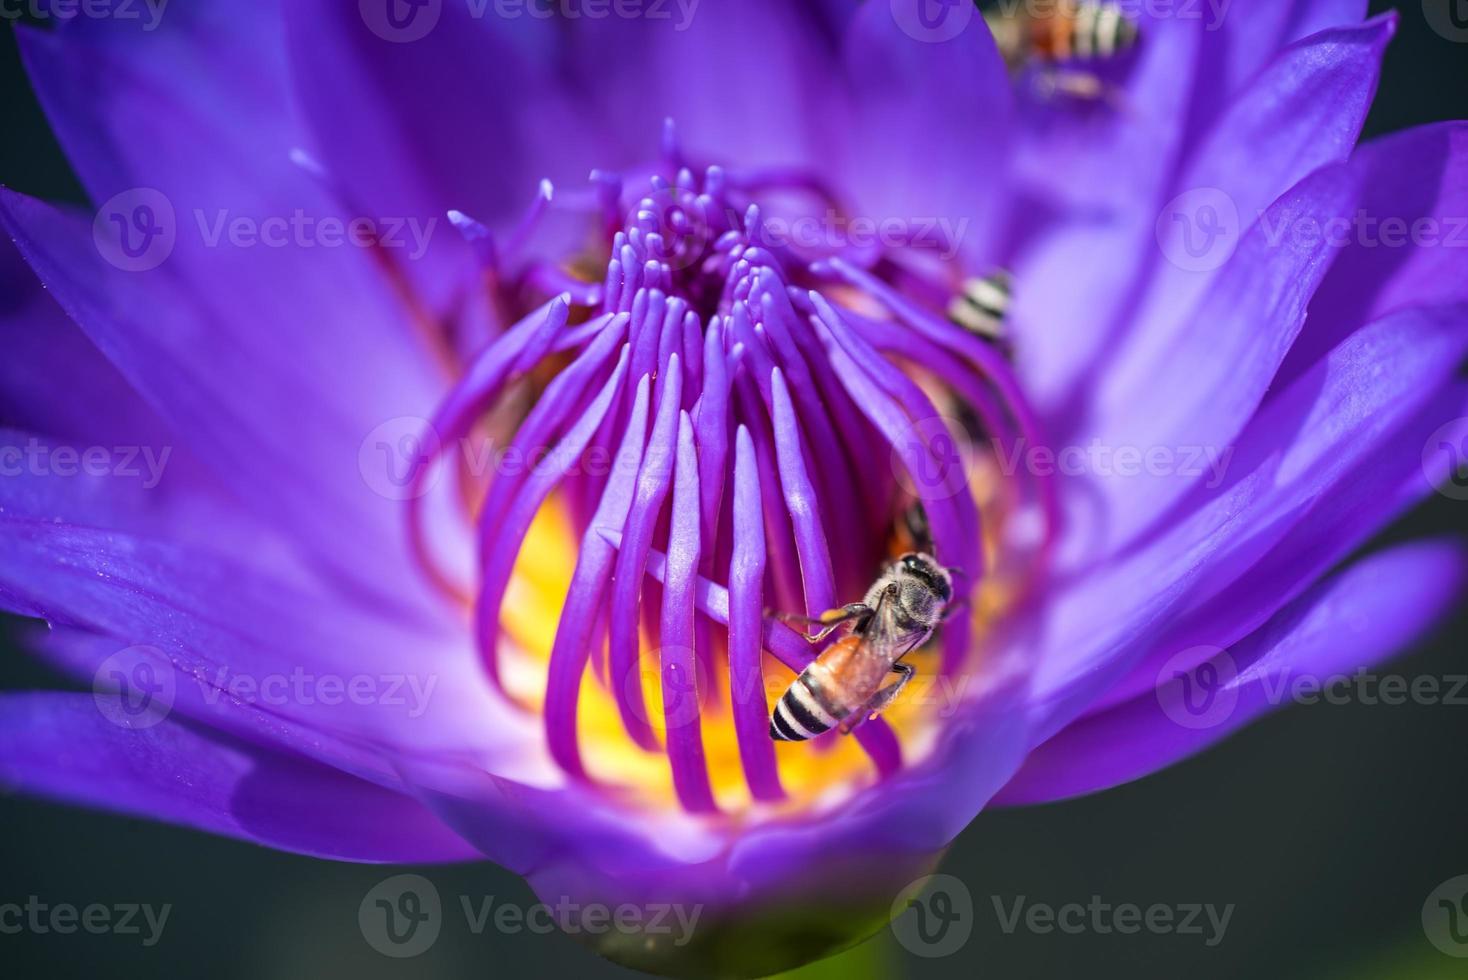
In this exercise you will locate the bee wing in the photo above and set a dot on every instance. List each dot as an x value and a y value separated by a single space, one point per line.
883 632
886 635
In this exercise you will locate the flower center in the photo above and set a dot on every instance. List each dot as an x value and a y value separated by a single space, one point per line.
731 426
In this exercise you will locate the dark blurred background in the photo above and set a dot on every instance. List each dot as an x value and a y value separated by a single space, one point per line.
1326 827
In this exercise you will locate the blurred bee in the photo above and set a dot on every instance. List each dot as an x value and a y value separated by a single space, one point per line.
1066 33
844 685
983 305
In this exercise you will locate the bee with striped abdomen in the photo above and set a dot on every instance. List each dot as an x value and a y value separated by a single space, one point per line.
844 685
983 305
1061 38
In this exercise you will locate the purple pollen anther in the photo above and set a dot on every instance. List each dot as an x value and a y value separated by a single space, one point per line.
731 430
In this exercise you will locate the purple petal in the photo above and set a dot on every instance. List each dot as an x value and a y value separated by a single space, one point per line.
1369 612
52 379
1279 131
452 111
64 747
240 638
1095 235
935 106
1388 419
1200 388
640 72
1346 412
1408 244
291 438
1246 41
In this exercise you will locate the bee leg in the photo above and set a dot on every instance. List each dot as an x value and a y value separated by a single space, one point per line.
881 699
830 619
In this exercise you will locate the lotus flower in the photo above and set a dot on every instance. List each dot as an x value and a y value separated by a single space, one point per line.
509 383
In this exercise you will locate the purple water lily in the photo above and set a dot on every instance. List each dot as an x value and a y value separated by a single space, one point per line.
431 441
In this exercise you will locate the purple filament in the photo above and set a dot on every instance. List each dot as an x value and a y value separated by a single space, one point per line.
753 436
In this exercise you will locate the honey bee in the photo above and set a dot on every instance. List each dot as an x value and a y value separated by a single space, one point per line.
844 685
983 305
1070 32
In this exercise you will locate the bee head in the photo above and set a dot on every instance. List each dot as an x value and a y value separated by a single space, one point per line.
922 567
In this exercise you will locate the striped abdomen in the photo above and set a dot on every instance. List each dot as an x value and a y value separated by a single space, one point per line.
1089 29
802 713
983 305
